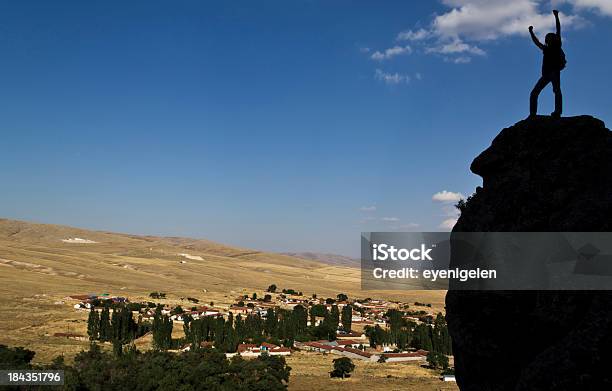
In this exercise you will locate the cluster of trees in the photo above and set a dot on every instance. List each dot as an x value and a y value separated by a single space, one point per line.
292 292
405 333
328 327
15 358
280 326
157 295
437 360
267 298
162 331
272 289
120 328
196 370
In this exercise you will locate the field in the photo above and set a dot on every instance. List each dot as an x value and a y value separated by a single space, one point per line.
310 371
39 268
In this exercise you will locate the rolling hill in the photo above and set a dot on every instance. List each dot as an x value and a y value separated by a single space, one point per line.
41 264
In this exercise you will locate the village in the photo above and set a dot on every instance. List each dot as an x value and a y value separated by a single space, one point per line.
374 332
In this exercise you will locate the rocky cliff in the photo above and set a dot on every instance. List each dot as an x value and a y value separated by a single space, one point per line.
540 175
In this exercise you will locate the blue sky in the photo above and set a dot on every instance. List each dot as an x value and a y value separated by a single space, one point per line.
284 126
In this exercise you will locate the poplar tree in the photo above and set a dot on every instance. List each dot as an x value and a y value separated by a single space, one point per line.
347 317
441 338
93 325
271 323
162 331
105 326
300 319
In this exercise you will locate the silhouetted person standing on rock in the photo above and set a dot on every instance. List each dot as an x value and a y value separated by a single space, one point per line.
552 64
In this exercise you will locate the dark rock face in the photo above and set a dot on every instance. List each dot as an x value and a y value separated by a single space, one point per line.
540 175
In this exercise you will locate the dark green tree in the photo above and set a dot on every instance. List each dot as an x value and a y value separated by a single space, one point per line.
437 360
271 323
440 337
162 331
93 325
343 367
347 317
300 319
422 337
105 326
15 358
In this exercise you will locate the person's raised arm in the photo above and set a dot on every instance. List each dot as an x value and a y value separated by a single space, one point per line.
535 39
558 24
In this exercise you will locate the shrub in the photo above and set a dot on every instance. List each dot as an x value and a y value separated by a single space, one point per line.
343 367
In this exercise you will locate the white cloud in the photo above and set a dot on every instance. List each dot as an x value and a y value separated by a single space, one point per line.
364 50
448 224
390 219
455 47
602 6
449 211
447 196
391 52
418 76
391 78
456 32
413 35
459 60
370 208
482 20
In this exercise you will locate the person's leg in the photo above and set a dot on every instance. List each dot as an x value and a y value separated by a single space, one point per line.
533 98
556 84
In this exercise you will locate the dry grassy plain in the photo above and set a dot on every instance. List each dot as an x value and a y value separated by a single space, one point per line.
310 371
38 270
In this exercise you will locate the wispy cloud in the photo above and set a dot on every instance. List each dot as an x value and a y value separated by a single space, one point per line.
413 35
371 208
459 60
391 78
450 213
390 53
604 7
447 196
455 47
390 219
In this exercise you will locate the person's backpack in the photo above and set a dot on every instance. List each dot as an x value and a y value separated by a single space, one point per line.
562 60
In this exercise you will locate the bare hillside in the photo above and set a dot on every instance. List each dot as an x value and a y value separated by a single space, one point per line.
41 264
